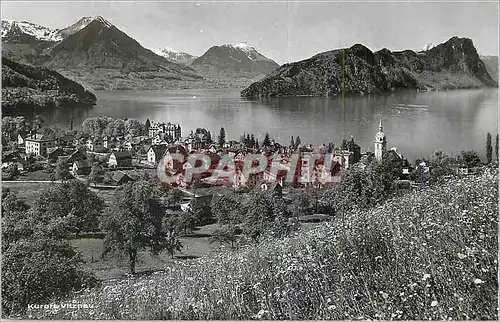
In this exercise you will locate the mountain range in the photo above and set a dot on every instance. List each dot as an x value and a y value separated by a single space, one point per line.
357 70
99 55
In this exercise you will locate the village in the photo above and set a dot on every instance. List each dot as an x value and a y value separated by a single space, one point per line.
121 159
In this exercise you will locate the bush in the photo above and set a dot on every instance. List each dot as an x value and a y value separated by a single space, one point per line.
36 268
36 271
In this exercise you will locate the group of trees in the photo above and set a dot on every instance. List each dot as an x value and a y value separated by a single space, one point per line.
145 217
62 170
38 262
249 141
258 214
106 126
294 144
13 126
40 265
221 139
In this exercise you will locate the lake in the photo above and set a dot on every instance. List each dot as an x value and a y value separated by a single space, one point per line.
415 123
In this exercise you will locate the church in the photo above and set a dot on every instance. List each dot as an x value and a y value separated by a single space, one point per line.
380 142
393 154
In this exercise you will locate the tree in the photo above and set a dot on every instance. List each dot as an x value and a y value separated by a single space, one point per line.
470 158
118 128
37 122
13 126
225 208
248 141
30 257
299 205
489 149
135 221
172 243
222 137
12 170
12 204
96 174
62 170
297 142
292 143
343 145
496 146
36 270
224 235
201 211
172 198
267 140
98 126
364 188
327 202
262 210
133 127
182 222
68 208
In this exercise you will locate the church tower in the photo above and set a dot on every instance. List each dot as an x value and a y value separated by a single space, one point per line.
380 142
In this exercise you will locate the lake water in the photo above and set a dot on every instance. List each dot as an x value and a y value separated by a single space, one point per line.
415 123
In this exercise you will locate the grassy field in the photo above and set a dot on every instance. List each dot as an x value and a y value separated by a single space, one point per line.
29 191
38 175
91 248
428 255
115 267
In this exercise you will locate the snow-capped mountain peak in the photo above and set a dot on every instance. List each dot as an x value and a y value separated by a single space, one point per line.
100 19
82 23
249 50
12 28
429 46
174 55
164 50
244 46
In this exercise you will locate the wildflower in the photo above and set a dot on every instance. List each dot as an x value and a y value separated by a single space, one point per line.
434 303
426 276
478 281
461 256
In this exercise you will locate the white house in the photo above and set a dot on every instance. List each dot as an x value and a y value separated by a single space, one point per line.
94 144
37 144
155 152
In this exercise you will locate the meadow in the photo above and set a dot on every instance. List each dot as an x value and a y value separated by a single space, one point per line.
430 254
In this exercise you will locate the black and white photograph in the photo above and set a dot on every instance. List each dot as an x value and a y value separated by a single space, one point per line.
249 160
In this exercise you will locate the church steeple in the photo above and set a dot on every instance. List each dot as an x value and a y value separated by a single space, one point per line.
380 142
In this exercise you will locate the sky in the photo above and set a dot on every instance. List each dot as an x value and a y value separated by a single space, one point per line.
281 30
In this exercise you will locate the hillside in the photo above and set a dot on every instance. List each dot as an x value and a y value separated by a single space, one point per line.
491 63
25 86
236 62
429 254
357 70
